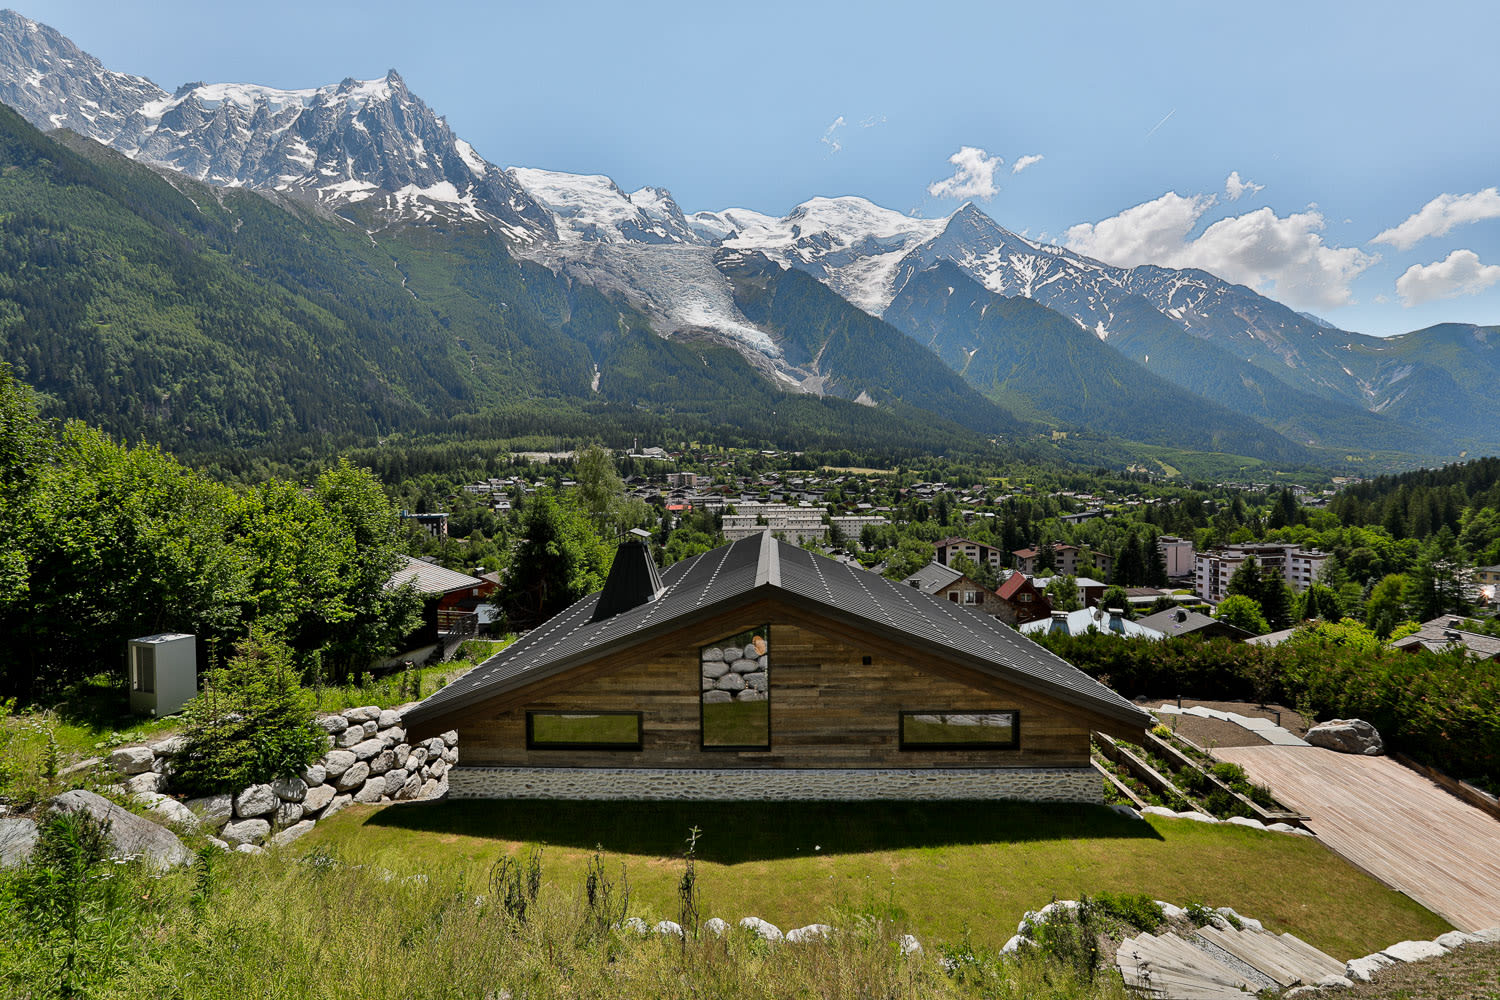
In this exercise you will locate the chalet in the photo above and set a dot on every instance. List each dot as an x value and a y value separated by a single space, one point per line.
1442 634
976 552
761 671
1181 621
948 584
1027 601
449 608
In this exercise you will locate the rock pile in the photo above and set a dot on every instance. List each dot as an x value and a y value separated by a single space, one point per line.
735 673
369 760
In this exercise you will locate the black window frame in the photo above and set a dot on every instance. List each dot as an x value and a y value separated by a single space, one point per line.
1015 729
703 745
640 731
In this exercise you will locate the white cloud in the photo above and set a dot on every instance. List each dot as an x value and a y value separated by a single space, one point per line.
1234 187
974 178
1440 215
872 121
1030 159
1460 273
828 140
1284 257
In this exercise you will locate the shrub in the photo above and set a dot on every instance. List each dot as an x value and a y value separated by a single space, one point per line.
251 724
1138 910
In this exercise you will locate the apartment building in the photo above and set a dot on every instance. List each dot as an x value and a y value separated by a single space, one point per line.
1213 569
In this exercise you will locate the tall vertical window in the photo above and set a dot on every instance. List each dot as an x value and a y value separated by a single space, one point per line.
735 693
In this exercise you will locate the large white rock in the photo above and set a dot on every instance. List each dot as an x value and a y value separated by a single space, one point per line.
812 932
128 833
314 775
382 762
257 800
288 813
365 713
761 928
1414 951
353 778
371 791
390 737
150 781
409 790
333 724
1347 736
173 811
450 738
317 797
394 779
131 760
388 718
670 927
338 805
291 833
635 925
1361 969
336 763
909 945
1457 939
715 925
249 849
403 754
213 811
246 831
714 669
290 789
17 838
353 736
438 768
744 666
366 749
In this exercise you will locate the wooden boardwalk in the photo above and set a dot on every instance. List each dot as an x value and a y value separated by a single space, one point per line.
1391 822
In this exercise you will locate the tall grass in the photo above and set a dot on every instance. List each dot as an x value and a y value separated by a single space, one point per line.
323 927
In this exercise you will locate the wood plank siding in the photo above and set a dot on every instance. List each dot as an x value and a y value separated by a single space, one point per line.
828 707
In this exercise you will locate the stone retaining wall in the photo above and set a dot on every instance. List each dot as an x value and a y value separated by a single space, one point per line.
369 760
1032 784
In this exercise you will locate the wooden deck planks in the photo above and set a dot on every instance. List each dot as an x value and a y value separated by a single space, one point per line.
1392 822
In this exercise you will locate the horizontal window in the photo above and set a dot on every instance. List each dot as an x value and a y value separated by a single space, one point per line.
986 729
583 730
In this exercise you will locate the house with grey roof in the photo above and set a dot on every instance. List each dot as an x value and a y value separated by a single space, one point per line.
759 670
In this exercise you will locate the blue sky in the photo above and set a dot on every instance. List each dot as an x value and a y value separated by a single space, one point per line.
1342 157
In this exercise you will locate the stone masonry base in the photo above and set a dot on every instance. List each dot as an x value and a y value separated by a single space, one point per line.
1033 784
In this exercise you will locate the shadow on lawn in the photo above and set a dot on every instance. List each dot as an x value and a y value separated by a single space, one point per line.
758 831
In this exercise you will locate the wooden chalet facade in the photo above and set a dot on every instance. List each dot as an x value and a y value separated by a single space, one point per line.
759 670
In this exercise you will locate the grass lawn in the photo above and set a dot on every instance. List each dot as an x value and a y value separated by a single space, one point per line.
944 868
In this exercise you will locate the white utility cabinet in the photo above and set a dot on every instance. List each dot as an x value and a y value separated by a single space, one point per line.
163 673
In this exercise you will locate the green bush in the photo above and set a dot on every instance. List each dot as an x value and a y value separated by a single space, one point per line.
251 724
1138 910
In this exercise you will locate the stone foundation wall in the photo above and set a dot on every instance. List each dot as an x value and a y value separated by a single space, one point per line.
368 760
1035 784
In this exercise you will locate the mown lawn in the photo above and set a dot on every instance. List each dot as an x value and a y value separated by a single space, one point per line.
947 868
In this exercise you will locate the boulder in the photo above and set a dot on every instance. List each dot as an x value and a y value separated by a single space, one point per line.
751 651
715 669
438 768
291 833
333 724
317 797
1414 951
249 849
761 928
132 760
450 738
408 790
749 694
1361 969
812 932
353 778
150 781
339 803
757 680
909 945
366 713
213 811
382 762
162 764
668 927
1347 736
290 789
17 838
366 749
745 666
715 926
350 737
635 925
314 775
730 682
390 737
172 811
336 763
129 834
429 789
403 754
450 755
388 718
288 813
371 791
369 728
257 800
394 779
712 654
1457 939
417 758
709 698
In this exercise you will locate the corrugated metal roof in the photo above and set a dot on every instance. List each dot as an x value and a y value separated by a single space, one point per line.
761 564
431 578
932 578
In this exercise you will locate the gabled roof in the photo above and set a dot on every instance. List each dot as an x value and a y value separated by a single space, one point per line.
1181 621
763 567
932 578
1446 632
1013 584
1098 619
430 578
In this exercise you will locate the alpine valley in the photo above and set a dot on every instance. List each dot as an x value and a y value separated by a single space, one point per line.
230 265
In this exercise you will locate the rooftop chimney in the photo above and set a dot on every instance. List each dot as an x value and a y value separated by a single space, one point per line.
633 579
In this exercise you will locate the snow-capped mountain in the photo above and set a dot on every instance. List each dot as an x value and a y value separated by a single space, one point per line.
346 143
